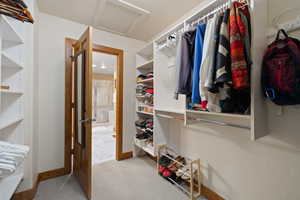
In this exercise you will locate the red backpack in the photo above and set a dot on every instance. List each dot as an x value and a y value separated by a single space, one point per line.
281 71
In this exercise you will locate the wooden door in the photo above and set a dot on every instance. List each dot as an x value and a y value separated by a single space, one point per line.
83 111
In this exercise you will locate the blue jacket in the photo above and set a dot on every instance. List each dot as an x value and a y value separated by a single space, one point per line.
199 41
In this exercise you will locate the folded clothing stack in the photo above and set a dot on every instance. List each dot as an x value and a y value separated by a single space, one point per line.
145 94
142 77
11 157
144 131
149 75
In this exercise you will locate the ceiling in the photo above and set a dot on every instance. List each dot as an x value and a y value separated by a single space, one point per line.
109 61
139 19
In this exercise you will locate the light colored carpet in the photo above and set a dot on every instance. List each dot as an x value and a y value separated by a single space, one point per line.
134 179
62 188
104 145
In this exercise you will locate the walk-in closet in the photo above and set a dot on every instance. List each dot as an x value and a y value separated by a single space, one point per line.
149 100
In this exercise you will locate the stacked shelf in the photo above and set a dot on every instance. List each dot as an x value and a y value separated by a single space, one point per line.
144 113
11 95
11 122
147 81
144 139
148 65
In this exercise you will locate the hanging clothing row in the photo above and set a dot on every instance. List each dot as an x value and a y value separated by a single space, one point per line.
214 59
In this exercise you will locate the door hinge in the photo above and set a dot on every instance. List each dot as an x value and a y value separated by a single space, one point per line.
72 151
73 105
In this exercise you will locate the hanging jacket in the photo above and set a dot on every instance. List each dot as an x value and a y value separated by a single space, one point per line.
223 68
223 79
207 60
186 66
239 70
199 41
177 65
210 81
247 39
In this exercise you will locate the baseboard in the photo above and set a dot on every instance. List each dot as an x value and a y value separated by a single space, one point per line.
125 156
209 194
27 194
30 194
52 174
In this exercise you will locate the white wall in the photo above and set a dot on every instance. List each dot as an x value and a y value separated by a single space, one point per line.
239 169
30 135
52 34
35 169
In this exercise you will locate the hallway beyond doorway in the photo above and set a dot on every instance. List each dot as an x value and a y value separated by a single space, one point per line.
104 144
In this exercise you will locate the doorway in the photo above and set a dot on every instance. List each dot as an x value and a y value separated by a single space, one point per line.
80 118
104 107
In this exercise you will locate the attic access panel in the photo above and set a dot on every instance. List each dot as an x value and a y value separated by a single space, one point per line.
120 16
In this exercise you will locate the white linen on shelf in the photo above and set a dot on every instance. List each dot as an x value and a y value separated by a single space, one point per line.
11 157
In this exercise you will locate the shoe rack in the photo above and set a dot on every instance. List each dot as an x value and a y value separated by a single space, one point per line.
185 175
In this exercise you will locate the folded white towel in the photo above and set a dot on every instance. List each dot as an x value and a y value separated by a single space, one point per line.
8 161
6 170
15 147
17 158
14 152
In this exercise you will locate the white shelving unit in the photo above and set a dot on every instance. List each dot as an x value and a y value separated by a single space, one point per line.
167 108
12 100
145 63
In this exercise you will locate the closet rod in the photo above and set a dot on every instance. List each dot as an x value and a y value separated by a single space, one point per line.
218 8
221 123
